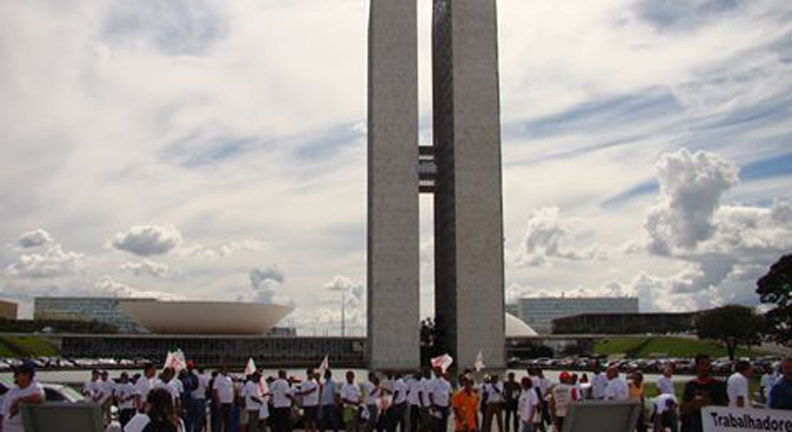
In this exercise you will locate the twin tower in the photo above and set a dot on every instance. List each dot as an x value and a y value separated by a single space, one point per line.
462 169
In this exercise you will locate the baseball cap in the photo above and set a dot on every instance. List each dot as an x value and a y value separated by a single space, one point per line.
563 376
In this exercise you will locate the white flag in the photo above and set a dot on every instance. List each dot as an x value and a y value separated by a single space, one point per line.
168 359
325 365
175 360
250 369
443 362
479 364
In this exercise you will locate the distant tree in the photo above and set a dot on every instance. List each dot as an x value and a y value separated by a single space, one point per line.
731 325
776 288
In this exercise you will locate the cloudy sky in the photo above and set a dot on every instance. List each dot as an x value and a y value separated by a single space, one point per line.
216 150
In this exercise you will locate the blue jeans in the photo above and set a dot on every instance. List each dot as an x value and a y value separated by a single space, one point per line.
196 415
525 426
328 418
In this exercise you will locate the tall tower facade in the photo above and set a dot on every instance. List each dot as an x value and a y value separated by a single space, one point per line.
393 240
462 168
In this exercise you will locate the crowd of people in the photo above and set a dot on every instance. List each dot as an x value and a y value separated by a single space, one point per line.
193 400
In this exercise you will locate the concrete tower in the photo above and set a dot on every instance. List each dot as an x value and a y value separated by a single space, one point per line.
393 240
462 169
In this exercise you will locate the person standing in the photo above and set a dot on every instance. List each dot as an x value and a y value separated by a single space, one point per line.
108 391
196 411
466 404
398 409
371 391
665 384
638 394
781 393
309 392
561 396
598 383
767 382
494 405
350 400
737 385
617 389
700 392
282 399
528 406
125 396
440 397
26 391
143 385
328 400
223 397
414 397
511 392
253 400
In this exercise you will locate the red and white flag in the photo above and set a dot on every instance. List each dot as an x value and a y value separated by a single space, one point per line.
175 360
443 362
324 366
250 369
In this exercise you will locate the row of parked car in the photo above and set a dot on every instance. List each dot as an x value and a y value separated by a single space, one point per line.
57 363
682 365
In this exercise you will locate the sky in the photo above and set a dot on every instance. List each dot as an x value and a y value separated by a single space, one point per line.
216 150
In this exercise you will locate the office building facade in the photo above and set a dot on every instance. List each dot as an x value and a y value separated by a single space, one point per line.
106 310
540 312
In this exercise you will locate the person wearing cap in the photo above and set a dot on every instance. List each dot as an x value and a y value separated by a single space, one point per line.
561 396
26 391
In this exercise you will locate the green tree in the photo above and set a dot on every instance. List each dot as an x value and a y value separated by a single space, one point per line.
731 325
776 288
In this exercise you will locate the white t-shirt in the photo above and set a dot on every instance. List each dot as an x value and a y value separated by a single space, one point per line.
107 390
661 402
617 390
280 393
95 390
122 392
14 424
225 389
563 395
264 409
252 394
736 386
441 392
200 391
768 381
370 392
416 387
350 392
143 386
494 392
665 385
400 390
170 386
526 404
310 399
599 382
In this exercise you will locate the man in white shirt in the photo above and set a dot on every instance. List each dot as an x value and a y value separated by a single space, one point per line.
617 389
598 384
27 391
494 405
125 396
399 407
223 395
251 391
309 391
665 384
166 381
197 384
440 396
282 399
528 405
371 391
350 399
415 391
143 385
737 385
106 400
768 380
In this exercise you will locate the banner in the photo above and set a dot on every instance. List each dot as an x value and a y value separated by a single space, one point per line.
724 419
443 362
479 364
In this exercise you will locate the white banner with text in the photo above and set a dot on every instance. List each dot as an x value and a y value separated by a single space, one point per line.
724 419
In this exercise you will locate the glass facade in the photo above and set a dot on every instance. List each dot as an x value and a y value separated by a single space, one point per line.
102 309
539 313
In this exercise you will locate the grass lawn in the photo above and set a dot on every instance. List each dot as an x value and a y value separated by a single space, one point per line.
26 346
644 347
679 388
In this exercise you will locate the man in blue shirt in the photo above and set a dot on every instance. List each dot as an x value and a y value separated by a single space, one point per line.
781 394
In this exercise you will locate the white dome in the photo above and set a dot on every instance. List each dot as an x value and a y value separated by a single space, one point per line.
516 328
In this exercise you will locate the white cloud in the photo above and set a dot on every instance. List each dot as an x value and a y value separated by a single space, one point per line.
222 250
267 285
550 235
692 185
35 238
146 268
147 240
53 262
106 286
